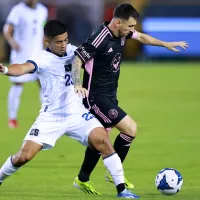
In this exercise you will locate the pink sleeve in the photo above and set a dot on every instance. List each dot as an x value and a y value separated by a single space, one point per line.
135 35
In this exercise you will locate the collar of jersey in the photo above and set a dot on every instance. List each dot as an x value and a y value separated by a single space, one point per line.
47 49
106 23
36 6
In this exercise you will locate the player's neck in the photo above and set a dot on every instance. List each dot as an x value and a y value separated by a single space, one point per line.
31 5
114 30
49 50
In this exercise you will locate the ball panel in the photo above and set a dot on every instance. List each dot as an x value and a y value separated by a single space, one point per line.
169 181
180 178
163 184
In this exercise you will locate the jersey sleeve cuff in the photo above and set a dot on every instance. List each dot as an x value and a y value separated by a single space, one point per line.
134 35
80 56
32 62
10 23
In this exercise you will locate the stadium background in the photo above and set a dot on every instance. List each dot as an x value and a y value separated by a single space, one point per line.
158 88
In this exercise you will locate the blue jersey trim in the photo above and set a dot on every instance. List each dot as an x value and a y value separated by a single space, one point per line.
36 67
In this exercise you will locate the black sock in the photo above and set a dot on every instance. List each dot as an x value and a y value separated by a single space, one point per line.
91 159
122 145
120 187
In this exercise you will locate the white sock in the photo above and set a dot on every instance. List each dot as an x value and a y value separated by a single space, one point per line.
14 100
7 169
114 166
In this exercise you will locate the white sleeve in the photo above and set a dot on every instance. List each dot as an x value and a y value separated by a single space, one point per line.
74 47
13 17
37 61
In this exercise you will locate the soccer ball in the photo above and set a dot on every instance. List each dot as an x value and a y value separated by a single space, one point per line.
169 181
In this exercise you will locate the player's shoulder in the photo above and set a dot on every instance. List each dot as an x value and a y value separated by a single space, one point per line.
71 48
18 6
102 32
100 37
41 55
41 7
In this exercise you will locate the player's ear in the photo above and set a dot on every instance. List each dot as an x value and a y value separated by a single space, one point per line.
46 40
118 22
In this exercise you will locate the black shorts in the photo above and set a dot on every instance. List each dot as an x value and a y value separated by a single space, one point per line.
105 109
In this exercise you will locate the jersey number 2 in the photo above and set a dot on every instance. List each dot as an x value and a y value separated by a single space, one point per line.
87 116
68 80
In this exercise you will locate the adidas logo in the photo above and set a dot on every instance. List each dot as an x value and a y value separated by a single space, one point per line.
110 50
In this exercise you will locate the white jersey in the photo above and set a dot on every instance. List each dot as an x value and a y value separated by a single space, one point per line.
62 112
28 30
54 73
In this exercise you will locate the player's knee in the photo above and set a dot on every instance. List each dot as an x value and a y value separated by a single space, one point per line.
22 157
99 140
132 129
107 143
18 84
105 146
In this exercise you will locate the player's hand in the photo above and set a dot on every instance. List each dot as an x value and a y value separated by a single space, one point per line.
2 68
81 91
173 45
14 45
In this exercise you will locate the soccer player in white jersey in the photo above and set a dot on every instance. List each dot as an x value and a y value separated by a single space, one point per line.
24 32
62 111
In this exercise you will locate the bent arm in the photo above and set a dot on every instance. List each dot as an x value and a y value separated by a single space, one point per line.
8 30
76 71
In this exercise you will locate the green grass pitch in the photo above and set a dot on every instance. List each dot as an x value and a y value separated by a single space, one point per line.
163 98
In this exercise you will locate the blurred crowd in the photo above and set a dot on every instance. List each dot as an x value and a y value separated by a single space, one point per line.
168 20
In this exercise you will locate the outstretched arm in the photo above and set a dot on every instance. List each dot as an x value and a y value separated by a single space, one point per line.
17 69
76 77
149 40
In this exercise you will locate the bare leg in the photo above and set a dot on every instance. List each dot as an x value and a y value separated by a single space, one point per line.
26 153
14 98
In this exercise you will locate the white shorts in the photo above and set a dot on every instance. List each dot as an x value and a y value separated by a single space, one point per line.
24 78
48 128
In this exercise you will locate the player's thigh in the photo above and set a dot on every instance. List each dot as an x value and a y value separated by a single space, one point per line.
24 78
127 125
80 125
46 130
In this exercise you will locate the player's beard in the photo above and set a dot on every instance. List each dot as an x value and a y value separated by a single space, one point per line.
121 34
31 4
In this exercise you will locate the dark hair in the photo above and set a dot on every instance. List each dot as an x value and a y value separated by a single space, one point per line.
125 11
54 28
